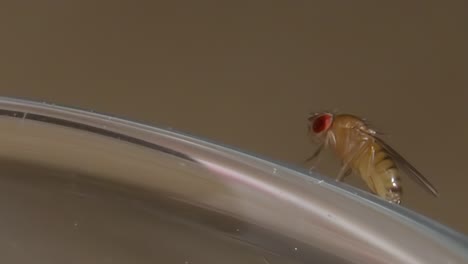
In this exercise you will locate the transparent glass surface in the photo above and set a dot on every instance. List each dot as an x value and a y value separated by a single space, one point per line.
81 187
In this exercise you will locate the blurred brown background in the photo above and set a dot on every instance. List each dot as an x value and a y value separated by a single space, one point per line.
247 73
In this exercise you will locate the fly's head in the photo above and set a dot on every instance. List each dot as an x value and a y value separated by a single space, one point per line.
319 125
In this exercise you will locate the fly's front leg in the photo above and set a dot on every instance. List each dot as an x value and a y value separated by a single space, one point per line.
315 158
316 154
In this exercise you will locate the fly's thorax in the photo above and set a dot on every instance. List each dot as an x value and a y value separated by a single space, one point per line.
345 137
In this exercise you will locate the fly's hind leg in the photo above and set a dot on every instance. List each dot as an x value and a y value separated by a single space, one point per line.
344 172
346 169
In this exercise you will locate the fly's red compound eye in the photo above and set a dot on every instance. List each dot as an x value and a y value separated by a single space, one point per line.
321 123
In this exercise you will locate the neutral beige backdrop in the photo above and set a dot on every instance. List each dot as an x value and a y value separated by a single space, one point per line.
247 73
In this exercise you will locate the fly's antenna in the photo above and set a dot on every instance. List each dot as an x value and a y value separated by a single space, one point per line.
332 111
335 111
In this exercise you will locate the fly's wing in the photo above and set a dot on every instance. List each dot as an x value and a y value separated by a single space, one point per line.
410 170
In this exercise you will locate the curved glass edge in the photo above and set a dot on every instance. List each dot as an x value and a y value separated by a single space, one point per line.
7 105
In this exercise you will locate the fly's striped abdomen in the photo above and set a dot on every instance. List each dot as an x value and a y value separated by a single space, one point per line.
378 170
386 176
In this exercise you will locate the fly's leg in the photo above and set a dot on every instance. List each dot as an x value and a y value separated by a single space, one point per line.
344 172
346 169
315 158
316 154
370 166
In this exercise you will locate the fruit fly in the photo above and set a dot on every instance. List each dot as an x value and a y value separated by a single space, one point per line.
364 153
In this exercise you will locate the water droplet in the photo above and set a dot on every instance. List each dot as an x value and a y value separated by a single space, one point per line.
275 170
295 249
320 181
237 230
